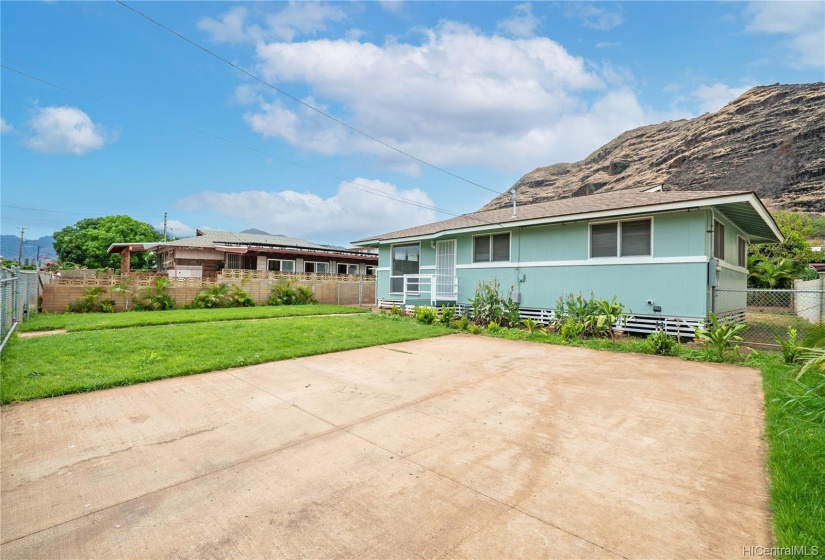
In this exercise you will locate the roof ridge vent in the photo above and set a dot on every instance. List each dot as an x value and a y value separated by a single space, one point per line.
655 188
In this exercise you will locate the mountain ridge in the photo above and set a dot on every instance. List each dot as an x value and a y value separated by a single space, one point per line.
768 140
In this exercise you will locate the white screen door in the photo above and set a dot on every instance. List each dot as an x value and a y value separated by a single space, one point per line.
445 280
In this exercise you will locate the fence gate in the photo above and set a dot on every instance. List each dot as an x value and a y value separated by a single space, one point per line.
769 313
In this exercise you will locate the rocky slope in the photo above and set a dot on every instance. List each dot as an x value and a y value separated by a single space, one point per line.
770 140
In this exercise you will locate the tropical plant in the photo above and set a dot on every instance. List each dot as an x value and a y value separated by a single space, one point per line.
532 326
660 343
240 298
575 307
489 306
92 302
812 353
493 327
426 315
396 311
155 298
123 287
603 318
474 329
287 294
719 336
464 322
770 274
791 350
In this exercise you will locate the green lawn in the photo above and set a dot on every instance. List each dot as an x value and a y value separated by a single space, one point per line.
85 361
73 322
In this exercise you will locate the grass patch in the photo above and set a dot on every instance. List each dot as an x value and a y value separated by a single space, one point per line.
74 322
796 446
86 361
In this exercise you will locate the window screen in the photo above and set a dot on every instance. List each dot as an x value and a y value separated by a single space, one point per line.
718 240
481 248
501 247
604 240
636 238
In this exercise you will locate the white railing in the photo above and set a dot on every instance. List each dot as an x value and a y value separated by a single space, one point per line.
423 287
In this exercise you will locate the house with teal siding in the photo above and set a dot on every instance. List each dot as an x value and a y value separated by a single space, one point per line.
661 253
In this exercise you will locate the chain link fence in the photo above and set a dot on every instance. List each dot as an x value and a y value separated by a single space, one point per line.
769 313
18 299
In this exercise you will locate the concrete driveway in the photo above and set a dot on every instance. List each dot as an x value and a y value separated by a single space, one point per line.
460 447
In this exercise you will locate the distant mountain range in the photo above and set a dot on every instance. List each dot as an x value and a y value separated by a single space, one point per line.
768 140
10 244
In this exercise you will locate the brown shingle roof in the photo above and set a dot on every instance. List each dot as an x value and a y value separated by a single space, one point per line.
615 200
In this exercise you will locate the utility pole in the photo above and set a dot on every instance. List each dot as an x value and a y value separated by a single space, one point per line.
38 256
164 226
20 250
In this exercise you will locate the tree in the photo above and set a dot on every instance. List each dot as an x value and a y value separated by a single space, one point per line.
775 265
86 242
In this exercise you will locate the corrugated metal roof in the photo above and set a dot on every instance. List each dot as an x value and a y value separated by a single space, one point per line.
214 238
746 214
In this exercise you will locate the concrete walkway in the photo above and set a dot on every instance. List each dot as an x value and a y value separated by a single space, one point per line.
460 447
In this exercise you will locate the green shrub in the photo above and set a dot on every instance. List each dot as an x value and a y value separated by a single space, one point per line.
221 295
574 307
426 315
447 314
474 329
396 311
570 329
92 302
660 343
464 322
720 336
604 317
493 327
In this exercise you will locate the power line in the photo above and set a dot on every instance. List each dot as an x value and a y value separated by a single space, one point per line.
304 103
63 212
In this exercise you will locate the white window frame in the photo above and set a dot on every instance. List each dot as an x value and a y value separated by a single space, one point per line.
347 265
371 270
618 223
315 266
742 259
280 266
392 249
509 235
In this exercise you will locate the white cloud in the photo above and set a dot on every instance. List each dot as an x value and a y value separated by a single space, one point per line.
712 98
65 130
231 28
176 228
303 18
348 214
522 23
246 94
801 22
392 6
594 16
457 97
296 18
5 127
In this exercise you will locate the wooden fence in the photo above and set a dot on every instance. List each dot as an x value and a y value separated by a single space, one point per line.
328 288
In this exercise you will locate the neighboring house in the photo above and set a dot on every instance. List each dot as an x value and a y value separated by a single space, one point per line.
210 251
661 253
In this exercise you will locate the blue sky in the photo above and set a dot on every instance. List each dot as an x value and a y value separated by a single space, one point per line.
143 123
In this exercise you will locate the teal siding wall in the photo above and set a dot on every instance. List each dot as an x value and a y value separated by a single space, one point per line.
680 288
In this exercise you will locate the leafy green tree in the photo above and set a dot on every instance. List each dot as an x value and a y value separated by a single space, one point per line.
86 242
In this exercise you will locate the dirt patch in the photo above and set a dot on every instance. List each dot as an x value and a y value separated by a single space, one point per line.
35 334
